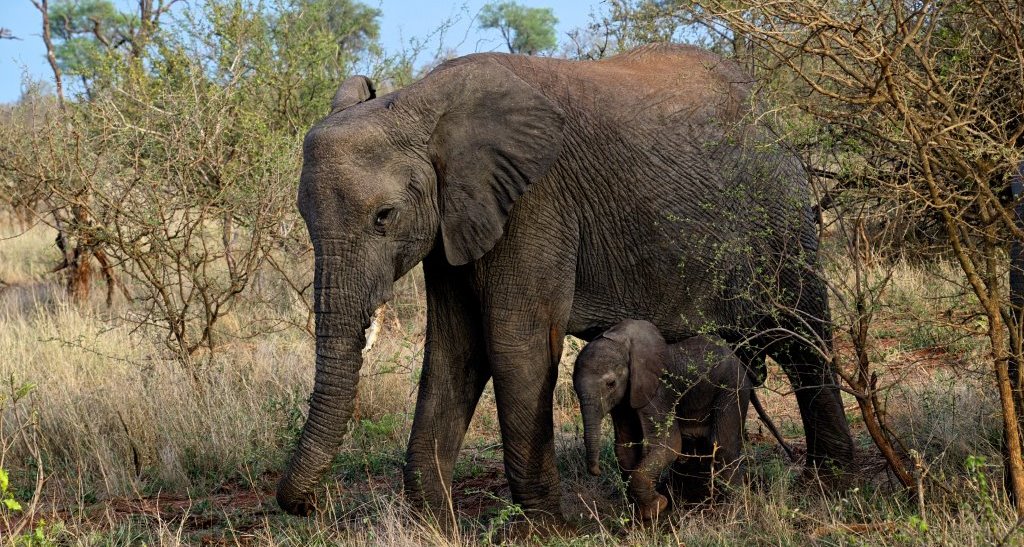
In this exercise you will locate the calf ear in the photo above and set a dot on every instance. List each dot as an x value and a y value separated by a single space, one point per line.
647 353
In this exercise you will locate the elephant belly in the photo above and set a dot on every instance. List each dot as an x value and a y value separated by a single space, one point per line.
676 238
660 259
680 300
690 431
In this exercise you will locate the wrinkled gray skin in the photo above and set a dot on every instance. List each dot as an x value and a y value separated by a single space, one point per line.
688 398
547 197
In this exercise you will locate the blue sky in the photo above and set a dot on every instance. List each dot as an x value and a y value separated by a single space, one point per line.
401 21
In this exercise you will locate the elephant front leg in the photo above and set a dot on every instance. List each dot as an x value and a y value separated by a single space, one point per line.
629 437
524 383
455 371
664 448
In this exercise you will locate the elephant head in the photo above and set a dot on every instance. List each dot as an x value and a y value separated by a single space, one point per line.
629 356
385 180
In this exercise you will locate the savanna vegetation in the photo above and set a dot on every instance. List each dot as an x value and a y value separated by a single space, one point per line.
156 336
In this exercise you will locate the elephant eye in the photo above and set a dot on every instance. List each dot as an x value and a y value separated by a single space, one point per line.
610 383
383 216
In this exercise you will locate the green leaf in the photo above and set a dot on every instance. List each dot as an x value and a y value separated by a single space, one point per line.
4 480
24 390
12 504
525 29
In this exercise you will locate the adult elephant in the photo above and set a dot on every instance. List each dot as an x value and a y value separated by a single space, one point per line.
547 197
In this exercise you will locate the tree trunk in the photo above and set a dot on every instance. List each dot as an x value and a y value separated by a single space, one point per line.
1013 322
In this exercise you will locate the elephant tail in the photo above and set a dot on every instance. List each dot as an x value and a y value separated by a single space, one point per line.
771 425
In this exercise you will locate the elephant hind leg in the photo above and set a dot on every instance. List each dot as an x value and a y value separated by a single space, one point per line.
689 479
829 441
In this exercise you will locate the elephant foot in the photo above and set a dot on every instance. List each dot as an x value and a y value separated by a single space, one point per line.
426 495
827 465
650 511
534 525
830 474
829 445
436 515
300 505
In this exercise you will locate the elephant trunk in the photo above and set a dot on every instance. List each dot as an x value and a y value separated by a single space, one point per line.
342 316
592 416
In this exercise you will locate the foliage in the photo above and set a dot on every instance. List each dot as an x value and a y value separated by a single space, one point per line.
19 434
84 29
20 191
181 163
6 496
353 24
625 24
910 108
525 30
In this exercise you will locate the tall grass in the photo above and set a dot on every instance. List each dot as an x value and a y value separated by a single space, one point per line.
137 447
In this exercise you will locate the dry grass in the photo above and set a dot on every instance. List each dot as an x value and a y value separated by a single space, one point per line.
137 447
26 252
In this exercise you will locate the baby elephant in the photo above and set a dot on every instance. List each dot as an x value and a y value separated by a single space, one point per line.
688 398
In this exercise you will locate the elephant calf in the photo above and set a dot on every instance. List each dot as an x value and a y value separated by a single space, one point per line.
688 398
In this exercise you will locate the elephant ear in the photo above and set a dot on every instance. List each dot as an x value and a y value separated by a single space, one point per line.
647 354
494 136
354 90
